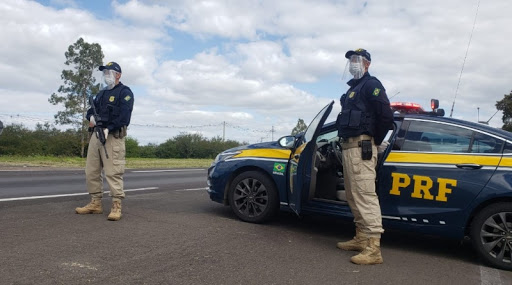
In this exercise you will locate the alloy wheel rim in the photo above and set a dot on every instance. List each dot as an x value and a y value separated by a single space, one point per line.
496 236
251 197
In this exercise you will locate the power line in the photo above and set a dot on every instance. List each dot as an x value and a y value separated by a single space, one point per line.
19 118
177 127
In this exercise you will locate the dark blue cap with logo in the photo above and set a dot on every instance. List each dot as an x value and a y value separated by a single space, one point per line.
359 51
111 66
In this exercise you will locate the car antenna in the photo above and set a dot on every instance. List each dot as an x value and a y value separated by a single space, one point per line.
464 62
394 95
487 122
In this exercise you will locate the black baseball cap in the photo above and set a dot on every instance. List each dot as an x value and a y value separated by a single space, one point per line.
112 66
360 51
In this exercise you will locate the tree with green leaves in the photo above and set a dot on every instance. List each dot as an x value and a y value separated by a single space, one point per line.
505 105
79 83
300 127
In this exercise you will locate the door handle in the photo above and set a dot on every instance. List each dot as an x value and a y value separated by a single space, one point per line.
469 166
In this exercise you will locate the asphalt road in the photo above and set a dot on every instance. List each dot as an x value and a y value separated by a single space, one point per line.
171 233
37 181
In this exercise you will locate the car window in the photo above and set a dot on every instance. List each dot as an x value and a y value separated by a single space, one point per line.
508 148
483 143
435 137
329 137
310 131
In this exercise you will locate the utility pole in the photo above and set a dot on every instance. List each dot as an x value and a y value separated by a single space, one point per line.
478 114
272 133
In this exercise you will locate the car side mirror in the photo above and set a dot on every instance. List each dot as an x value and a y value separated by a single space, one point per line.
287 141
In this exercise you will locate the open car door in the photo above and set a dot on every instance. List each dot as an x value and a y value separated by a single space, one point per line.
301 160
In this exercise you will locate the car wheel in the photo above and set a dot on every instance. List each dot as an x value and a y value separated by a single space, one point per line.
253 197
491 235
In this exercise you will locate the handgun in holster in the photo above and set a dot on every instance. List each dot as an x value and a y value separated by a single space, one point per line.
366 149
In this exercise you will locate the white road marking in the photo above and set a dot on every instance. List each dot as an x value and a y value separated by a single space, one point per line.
38 169
489 276
167 170
69 195
9 170
194 189
138 189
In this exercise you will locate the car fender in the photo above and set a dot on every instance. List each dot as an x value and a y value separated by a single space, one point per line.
265 166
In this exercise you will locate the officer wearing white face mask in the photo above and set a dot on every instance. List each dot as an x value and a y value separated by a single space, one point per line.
114 105
364 120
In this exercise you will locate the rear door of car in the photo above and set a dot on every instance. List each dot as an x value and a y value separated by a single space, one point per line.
435 170
301 160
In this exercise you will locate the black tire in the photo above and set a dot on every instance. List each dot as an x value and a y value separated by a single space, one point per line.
491 235
253 197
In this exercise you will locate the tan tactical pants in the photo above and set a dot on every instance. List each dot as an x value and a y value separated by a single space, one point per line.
113 166
359 176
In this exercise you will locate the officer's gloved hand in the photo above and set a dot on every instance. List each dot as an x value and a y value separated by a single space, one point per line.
92 122
382 147
105 131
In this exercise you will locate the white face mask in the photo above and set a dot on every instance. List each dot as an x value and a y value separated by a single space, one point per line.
356 66
356 69
109 77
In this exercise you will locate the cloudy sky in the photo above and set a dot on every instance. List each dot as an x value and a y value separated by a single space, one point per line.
249 69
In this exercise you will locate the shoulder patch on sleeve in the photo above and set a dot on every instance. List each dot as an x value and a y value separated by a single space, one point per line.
127 98
376 92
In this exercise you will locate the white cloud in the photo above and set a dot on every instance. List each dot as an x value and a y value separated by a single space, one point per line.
230 19
256 59
141 13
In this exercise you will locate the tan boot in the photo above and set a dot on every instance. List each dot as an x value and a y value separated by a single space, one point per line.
371 254
94 207
115 211
358 243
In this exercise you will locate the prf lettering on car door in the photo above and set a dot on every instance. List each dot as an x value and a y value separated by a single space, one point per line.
422 186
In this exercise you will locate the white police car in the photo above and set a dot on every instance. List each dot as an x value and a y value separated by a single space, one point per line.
439 176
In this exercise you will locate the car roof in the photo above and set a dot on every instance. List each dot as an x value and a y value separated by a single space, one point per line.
473 125
481 127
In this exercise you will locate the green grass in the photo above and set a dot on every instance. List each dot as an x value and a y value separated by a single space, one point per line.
76 162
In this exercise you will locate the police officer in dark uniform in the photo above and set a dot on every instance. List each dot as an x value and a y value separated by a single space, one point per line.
114 106
365 119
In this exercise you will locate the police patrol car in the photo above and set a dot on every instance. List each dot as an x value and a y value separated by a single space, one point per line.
438 176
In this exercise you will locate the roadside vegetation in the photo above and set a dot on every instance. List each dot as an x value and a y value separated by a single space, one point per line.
16 161
48 146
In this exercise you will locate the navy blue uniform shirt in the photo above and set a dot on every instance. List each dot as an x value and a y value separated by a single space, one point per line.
378 103
115 111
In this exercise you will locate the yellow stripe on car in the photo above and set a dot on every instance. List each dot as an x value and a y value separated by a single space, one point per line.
404 157
266 152
506 162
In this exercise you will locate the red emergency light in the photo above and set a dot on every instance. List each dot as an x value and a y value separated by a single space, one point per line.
415 108
406 107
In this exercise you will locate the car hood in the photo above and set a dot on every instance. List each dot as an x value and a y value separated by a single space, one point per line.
264 150
263 145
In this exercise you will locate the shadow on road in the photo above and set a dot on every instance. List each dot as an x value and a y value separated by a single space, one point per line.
332 228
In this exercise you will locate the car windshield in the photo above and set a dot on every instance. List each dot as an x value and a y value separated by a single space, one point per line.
310 132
